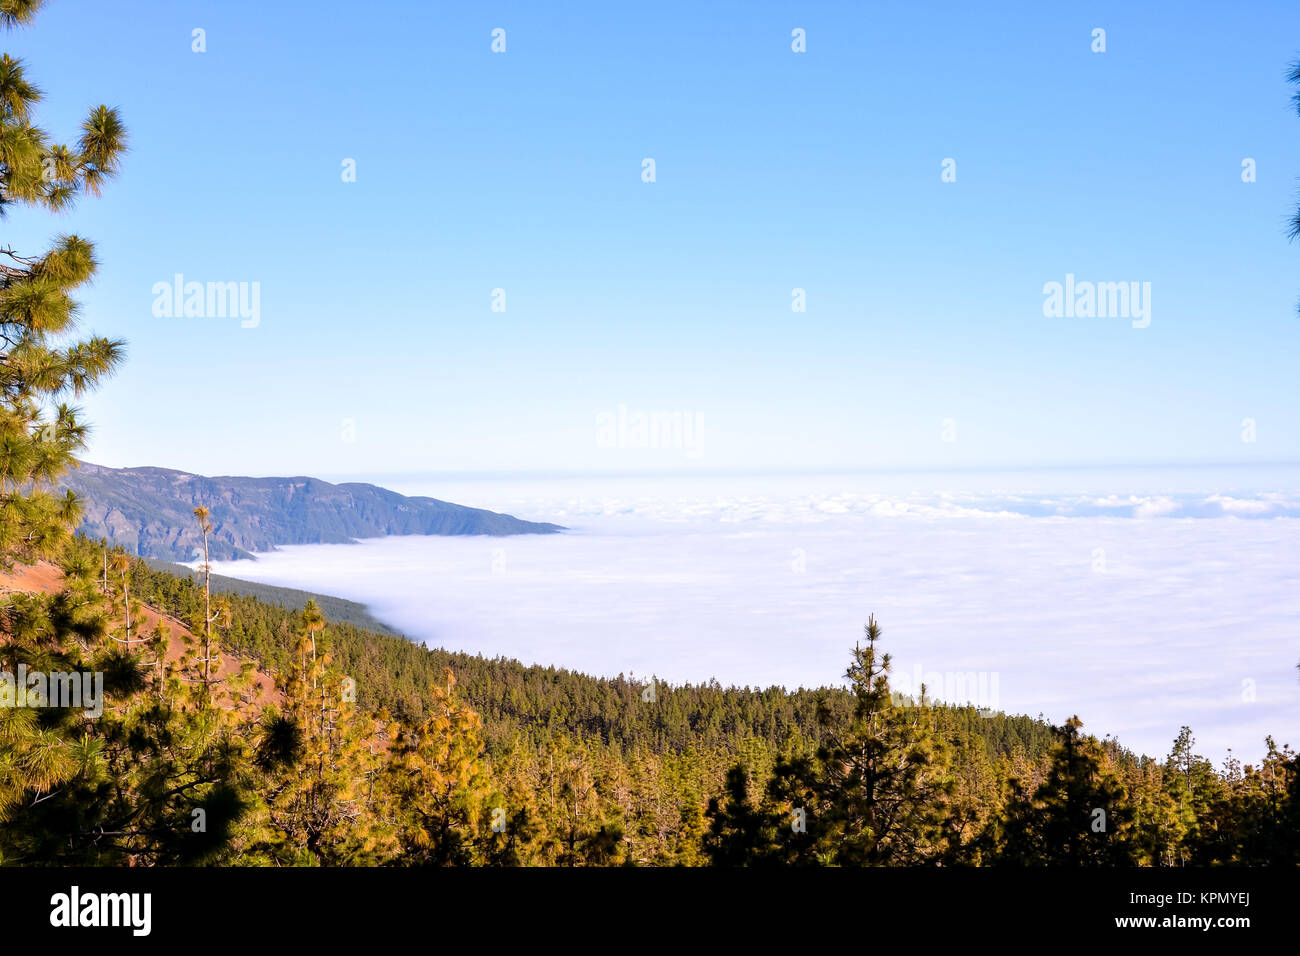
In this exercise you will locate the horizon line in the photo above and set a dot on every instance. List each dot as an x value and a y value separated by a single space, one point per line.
336 477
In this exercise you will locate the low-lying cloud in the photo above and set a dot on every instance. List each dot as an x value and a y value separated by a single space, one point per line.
1138 626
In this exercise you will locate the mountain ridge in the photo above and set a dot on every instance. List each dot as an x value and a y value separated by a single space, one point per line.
149 510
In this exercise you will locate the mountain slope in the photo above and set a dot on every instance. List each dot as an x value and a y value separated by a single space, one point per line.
44 577
150 511
336 609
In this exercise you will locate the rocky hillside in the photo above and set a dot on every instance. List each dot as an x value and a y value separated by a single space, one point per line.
150 511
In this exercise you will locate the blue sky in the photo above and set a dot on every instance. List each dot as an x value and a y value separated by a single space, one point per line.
775 170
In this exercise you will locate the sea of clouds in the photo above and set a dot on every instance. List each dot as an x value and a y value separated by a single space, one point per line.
1139 611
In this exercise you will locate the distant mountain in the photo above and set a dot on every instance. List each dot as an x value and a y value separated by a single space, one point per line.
150 511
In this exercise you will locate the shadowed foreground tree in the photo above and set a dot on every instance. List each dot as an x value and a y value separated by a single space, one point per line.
42 364
139 783
1080 815
742 832
1254 818
39 367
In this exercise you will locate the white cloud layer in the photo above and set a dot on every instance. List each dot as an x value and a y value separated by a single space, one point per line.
1061 604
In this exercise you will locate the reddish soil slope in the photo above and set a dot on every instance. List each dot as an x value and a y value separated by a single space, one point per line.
46 578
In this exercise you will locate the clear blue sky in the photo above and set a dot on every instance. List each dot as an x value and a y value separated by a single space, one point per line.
775 170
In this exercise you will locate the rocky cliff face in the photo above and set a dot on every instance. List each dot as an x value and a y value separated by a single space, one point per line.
150 511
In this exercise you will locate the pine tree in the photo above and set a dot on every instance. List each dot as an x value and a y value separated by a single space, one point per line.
434 782
742 831
41 365
39 432
875 793
887 776
1080 815
319 764
1193 787
209 656
313 622
122 568
1254 820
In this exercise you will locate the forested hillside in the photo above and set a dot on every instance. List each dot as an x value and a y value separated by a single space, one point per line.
394 673
384 752
338 609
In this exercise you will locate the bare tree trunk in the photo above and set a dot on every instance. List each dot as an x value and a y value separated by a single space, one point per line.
207 621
